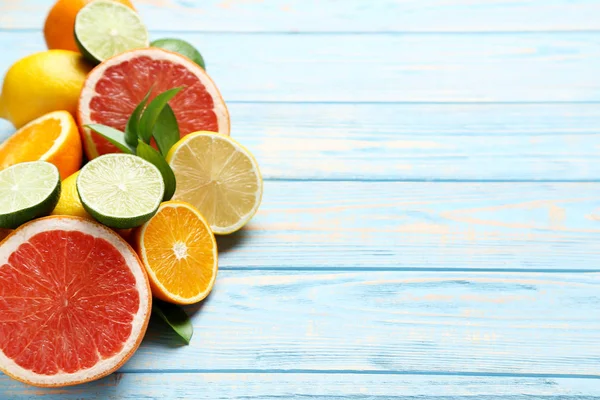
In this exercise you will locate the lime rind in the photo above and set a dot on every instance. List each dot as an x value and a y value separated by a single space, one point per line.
105 28
120 190
181 47
28 190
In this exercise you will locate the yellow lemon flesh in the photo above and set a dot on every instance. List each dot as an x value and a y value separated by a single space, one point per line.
42 83
219 177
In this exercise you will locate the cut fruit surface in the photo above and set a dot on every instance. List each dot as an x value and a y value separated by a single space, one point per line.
115 87
104 29
179 251
28 190
53 137
75 302
120 190
219 177
60 23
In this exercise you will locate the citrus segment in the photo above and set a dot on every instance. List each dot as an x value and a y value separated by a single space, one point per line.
115 87
75 302
28 190
219 177
53 137
120 190
179 251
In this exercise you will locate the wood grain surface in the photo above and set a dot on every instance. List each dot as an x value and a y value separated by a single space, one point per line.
302 386
539 142
513 67
421 225
341 16
430 221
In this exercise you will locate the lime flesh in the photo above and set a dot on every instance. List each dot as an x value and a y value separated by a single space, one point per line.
27 191
105 28
120 190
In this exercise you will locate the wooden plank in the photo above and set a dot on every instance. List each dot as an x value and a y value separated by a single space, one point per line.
340 16
421 225
389 67
400 322
419 141
225 386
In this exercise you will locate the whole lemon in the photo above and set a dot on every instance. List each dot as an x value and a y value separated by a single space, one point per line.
69 202
42 83
60 23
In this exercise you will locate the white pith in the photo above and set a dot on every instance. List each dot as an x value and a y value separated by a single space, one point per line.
104 366
89 91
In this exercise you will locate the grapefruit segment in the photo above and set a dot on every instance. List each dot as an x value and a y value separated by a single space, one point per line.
115 87
74 302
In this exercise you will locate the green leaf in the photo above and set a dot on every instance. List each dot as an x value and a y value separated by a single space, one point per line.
175 317
152 112
113 135
149 154
132 127
166 130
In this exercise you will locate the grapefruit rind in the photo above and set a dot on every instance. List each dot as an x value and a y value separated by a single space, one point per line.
139 322
11 219
89 90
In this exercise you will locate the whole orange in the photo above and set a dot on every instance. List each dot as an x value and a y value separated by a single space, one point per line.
60 23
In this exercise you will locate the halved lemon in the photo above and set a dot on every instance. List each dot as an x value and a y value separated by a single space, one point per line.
219 177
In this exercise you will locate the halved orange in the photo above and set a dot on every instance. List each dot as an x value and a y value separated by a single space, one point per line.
53 137
179 251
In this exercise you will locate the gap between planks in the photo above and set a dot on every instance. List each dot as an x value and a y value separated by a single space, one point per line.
361 372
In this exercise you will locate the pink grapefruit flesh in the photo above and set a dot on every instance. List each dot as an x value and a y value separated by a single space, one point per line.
115 87
74 302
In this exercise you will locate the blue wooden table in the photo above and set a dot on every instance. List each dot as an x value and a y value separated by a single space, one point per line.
431 218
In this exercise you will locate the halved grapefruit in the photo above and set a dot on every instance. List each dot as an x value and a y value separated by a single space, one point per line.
74 302
114 88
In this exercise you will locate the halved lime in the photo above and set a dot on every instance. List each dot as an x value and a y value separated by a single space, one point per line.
120 190
28 190
181 47
106 28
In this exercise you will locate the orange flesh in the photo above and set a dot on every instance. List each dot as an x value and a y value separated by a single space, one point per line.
179 250
31 143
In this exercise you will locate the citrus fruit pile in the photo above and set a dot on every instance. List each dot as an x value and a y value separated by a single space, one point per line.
112 188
